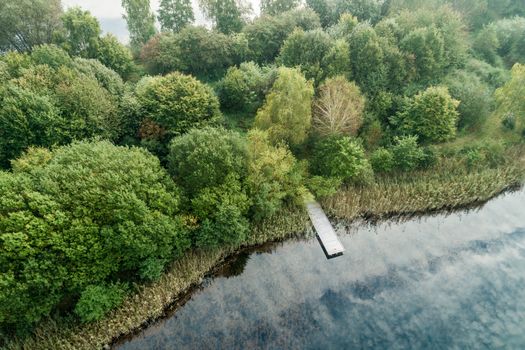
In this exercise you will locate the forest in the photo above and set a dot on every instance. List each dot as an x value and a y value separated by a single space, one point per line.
117 161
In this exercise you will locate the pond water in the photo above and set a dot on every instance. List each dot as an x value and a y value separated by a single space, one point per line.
451 281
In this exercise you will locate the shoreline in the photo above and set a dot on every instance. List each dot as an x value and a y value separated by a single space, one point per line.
159 300
181 299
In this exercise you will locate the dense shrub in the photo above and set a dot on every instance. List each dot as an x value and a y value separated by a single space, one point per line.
80 216
178 102
108 78
475 99
315 53
431 115
210 164
341 157
95 301
266 34
203 158
51 55
322 186
407 153
338 109
382 160
287 113
244 88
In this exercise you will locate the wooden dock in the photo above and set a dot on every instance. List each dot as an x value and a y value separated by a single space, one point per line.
326 235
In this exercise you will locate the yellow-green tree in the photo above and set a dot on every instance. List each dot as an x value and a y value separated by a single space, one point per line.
511 96
287 113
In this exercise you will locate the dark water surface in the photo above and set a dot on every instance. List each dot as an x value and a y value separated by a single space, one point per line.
444 282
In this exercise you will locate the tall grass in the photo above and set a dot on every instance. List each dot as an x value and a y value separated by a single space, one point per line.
447 186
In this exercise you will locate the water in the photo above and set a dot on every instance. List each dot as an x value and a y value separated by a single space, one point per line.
443 282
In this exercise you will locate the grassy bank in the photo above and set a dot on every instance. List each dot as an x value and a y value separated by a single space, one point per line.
447 185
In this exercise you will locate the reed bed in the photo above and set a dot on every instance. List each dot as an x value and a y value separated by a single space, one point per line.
425 192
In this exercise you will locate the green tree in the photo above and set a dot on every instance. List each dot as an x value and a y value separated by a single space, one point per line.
28 23
175 14
407 153
325 9
26 119
140 20
432 115
341 157
178 103
315 53
194 50
120 206
244 88
475 98
275 7
364 10
203 158
226 15
367 59
50 55
116 56
338 109
287 114
80 33
266 34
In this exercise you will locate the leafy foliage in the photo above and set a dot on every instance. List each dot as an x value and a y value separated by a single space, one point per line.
286 113
431 115
178 102
25 24
244 88
343 158
119 205
140 20
175 14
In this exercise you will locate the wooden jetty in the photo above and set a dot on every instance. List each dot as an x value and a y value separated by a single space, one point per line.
326 235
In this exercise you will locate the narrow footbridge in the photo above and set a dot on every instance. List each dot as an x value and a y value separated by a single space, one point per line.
326 235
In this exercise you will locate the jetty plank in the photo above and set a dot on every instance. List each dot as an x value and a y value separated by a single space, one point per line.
325 232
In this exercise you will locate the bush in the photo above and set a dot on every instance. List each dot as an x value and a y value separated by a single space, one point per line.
287 113
81 216
203 158
339 108
509 121
244 88
431 115
343 158
108 78
95 301
475 99
178 103
382 161
407 153
323 187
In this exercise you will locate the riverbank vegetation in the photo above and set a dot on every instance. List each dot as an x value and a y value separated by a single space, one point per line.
129 172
